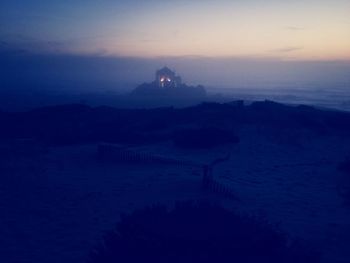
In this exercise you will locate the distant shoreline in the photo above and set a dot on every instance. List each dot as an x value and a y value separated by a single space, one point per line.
24 100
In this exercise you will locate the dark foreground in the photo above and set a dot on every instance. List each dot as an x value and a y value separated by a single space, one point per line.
58 196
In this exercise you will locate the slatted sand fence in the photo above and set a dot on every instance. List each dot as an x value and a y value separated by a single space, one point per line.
120 154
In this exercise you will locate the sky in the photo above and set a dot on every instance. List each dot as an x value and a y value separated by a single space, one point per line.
56 47
287 30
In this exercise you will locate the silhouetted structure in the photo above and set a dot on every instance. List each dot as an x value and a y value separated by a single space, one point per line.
166 78
168 89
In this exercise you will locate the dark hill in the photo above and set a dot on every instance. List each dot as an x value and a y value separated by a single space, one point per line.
72 124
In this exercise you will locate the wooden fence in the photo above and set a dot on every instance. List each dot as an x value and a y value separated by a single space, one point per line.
107 152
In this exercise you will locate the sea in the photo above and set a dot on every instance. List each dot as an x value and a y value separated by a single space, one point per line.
335 96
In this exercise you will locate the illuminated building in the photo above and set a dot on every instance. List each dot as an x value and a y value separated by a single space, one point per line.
166 78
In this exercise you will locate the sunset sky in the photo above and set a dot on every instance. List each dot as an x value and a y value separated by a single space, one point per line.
290 30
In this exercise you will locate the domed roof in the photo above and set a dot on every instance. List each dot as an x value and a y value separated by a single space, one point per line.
165 70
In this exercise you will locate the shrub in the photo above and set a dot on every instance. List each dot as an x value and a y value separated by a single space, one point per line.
197 232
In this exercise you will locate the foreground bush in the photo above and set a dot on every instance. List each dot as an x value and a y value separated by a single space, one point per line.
196 233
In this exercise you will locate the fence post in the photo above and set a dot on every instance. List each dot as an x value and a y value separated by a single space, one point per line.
207 177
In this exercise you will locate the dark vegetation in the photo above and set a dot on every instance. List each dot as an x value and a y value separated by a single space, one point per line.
74 124
197 232
203 137
343 187
345 167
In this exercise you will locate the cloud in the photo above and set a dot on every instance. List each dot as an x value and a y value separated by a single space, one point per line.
7 48
294 28
56 43
15 37
287 49
4 51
